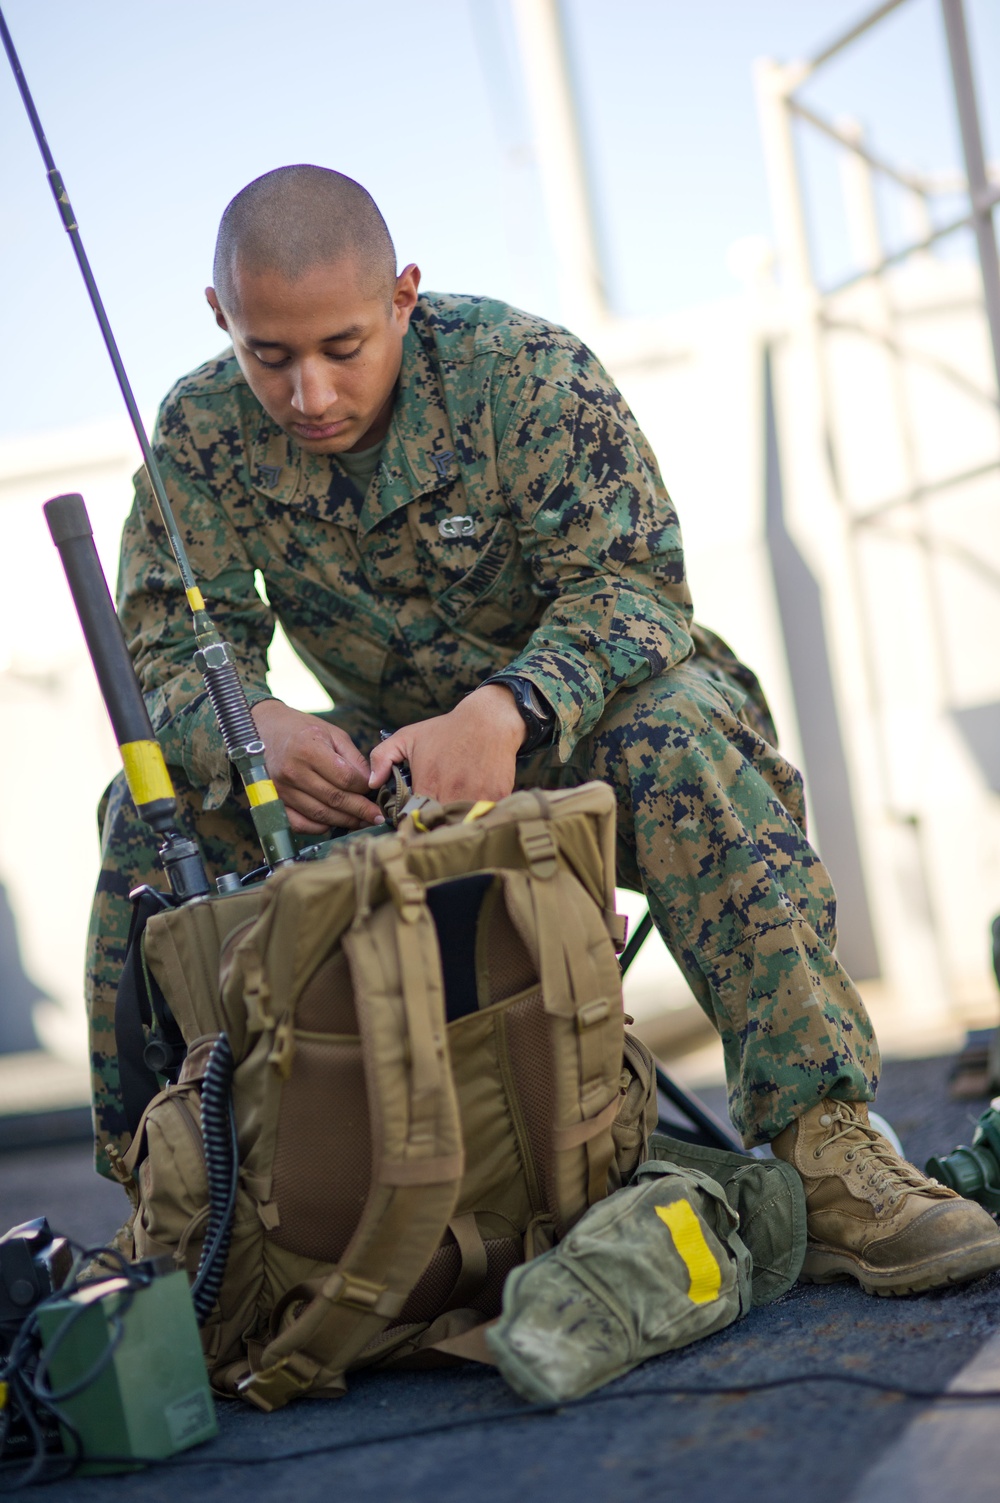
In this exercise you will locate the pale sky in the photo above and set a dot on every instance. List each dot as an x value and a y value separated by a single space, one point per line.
157 113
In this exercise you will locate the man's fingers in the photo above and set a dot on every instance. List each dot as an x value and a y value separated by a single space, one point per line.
311 817
334 765
315 783
302 826
386 755
335 806
308 748
351 758
316 768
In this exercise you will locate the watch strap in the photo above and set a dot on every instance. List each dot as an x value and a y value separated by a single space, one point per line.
539 722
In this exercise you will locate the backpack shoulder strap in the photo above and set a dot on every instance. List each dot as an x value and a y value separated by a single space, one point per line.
417 1150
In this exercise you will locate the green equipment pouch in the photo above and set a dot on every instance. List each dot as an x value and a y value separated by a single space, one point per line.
650 1269
768 1197
654 1267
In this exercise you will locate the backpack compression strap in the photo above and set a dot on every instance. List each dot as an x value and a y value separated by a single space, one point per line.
581 989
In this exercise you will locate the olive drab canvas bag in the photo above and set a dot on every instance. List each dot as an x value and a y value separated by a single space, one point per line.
432 1083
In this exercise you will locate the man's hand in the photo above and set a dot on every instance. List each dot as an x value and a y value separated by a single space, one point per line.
317 770
466 755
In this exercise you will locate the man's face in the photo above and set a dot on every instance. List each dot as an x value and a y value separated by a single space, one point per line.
321 354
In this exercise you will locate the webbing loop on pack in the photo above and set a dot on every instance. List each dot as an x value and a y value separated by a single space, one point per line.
406 890
577 1133
593 1012
473 1260
362 857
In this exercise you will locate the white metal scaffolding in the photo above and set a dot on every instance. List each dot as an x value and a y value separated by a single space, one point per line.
880 502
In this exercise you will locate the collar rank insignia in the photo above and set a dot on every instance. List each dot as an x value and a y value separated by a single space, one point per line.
442 463
268 475
457 527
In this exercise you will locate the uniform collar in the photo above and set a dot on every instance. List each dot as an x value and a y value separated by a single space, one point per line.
282 472
419 454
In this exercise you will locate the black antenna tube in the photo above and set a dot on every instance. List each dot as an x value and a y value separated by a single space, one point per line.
145 770
215 658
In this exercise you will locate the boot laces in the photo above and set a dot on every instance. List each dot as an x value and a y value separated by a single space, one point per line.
888 1172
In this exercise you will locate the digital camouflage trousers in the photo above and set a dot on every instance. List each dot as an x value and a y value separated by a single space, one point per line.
711 827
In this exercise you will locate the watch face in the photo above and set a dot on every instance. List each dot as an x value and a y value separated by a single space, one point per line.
536 704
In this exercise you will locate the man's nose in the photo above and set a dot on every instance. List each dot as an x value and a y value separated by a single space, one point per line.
313 390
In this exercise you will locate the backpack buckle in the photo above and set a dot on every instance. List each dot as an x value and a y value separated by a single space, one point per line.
540 849
283 1048
274 1386
363 1295
358 1294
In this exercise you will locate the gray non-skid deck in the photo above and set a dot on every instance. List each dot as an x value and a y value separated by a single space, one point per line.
829 1442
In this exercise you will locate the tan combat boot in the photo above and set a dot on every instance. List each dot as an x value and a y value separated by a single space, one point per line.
874 1217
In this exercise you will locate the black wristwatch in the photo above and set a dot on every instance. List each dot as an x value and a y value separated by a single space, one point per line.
534 709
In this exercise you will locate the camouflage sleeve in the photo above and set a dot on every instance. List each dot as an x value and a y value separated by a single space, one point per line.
204 486
600 535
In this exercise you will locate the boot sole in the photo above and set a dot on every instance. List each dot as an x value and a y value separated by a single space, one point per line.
826 1266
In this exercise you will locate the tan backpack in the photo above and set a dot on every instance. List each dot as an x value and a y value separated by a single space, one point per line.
432 1083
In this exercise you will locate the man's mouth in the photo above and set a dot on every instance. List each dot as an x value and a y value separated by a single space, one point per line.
318 431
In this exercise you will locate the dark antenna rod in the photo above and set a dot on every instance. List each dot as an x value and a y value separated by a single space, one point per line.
214 658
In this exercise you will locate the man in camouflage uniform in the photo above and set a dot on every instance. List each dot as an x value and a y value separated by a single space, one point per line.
437 490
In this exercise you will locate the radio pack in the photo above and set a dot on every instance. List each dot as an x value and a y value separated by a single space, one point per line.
429 1081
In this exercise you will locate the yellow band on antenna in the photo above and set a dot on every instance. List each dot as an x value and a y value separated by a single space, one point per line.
263 792
195 598
145 771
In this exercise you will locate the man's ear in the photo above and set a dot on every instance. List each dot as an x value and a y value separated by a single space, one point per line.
216 307
404 297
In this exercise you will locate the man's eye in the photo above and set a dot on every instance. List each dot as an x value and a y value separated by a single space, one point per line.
340 358
271 365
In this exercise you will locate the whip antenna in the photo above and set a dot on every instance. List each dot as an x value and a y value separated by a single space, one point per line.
214 657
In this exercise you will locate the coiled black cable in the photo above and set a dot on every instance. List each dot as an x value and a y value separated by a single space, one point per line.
218 1130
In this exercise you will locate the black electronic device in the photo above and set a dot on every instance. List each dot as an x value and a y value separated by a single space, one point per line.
34 1263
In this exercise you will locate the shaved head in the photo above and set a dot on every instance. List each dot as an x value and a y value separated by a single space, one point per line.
296 218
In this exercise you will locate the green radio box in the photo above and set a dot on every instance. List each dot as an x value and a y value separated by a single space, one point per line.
151 1398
